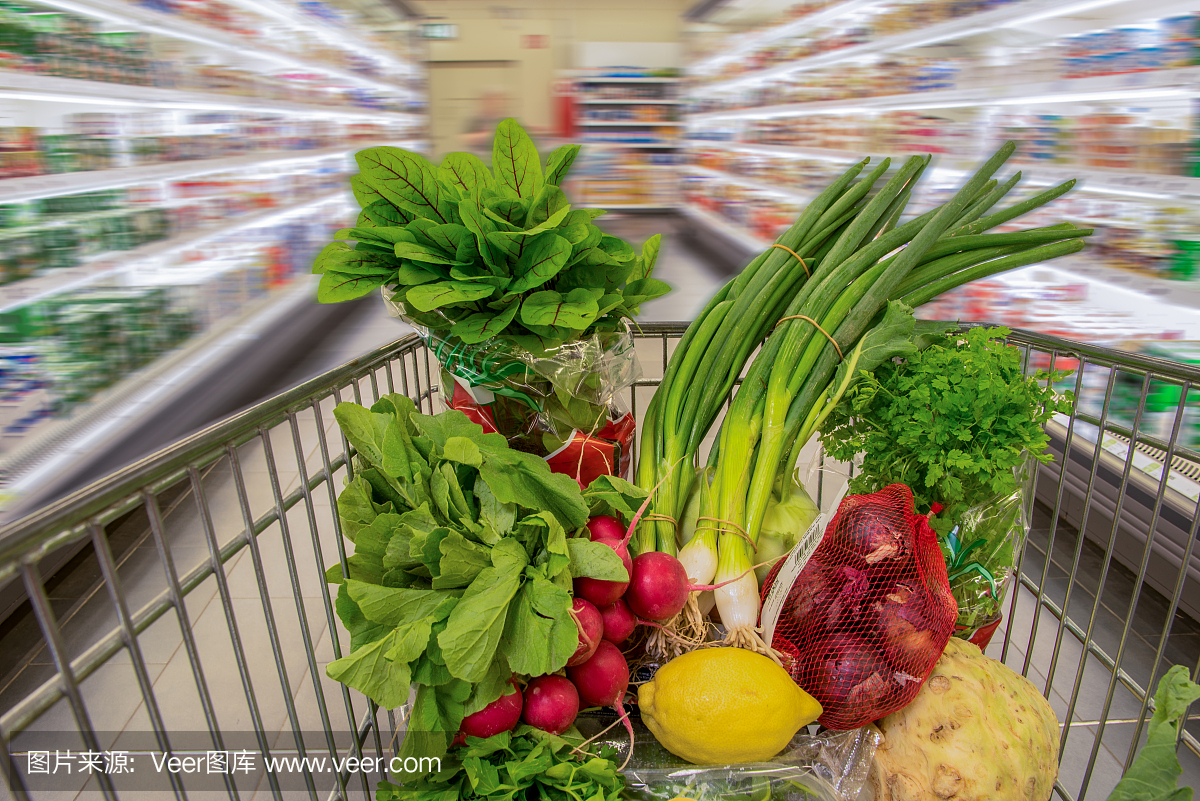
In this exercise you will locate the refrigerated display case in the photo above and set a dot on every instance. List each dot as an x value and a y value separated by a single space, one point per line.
167 171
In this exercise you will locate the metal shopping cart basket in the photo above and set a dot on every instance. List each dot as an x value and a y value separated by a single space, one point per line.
193 626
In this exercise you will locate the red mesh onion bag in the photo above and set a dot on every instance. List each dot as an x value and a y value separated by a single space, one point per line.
870 613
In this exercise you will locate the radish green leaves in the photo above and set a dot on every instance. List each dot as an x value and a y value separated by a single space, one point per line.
478 254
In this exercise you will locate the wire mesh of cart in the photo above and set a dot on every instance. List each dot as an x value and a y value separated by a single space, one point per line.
182 650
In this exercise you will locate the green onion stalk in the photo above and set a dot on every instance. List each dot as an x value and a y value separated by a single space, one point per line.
852 314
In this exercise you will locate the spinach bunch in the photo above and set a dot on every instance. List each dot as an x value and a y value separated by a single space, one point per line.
476 253
462 567
952 422
526 763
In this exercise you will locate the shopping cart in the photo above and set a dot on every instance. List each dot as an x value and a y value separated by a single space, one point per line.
195 620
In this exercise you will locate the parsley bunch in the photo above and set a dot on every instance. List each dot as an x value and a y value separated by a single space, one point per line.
952 422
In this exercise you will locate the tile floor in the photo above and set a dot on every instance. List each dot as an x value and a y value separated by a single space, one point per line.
268 605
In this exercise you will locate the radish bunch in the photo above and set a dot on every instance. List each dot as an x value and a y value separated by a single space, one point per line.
597 673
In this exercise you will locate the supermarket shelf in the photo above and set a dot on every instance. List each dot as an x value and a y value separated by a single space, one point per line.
730 231
1182 82
326 31
36 470
630 102
17 190
787 30
593 79
1009 16
741 180
626 124
150 21
57 282
1117 182
31 86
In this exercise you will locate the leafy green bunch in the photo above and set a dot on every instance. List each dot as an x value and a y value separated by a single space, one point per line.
462 567
952 422
526 763
477 253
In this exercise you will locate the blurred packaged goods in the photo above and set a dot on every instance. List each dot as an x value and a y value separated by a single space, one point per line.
108 140
60 352
632 115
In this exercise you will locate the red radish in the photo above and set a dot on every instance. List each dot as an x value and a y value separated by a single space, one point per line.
499 716
604 593
604 527
619 622
658 589
602 681
551 704
591 630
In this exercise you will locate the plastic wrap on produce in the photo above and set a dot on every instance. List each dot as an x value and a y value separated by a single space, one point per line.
828 766
564 403
981 557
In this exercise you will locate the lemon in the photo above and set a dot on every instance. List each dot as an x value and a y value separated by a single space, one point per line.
718 706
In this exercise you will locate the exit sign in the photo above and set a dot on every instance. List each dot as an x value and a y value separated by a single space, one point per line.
439 30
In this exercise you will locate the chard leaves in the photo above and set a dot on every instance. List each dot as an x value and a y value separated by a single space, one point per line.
476 254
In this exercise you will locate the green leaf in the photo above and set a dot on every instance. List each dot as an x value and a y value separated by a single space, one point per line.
540 635
462 560
617 249
350 274
595 560
362 631
466 171
1155 771
526 480
515 160
509 556
646 263
357 509
577 310
449 237
541 261
559 162
382 214
407 180
391 606
612 495
331 253
411 274
495 683
474 628
364 193
509 212
482 326
497 516
423 253
428 297
548 202
370 672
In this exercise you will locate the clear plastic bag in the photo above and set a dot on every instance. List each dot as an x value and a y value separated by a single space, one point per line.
827 766
981 554
563 404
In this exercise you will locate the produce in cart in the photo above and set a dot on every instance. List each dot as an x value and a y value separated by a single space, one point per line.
830 301
522 299
958 423
977 730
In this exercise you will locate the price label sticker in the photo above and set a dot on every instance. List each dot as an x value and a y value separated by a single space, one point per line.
788 571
